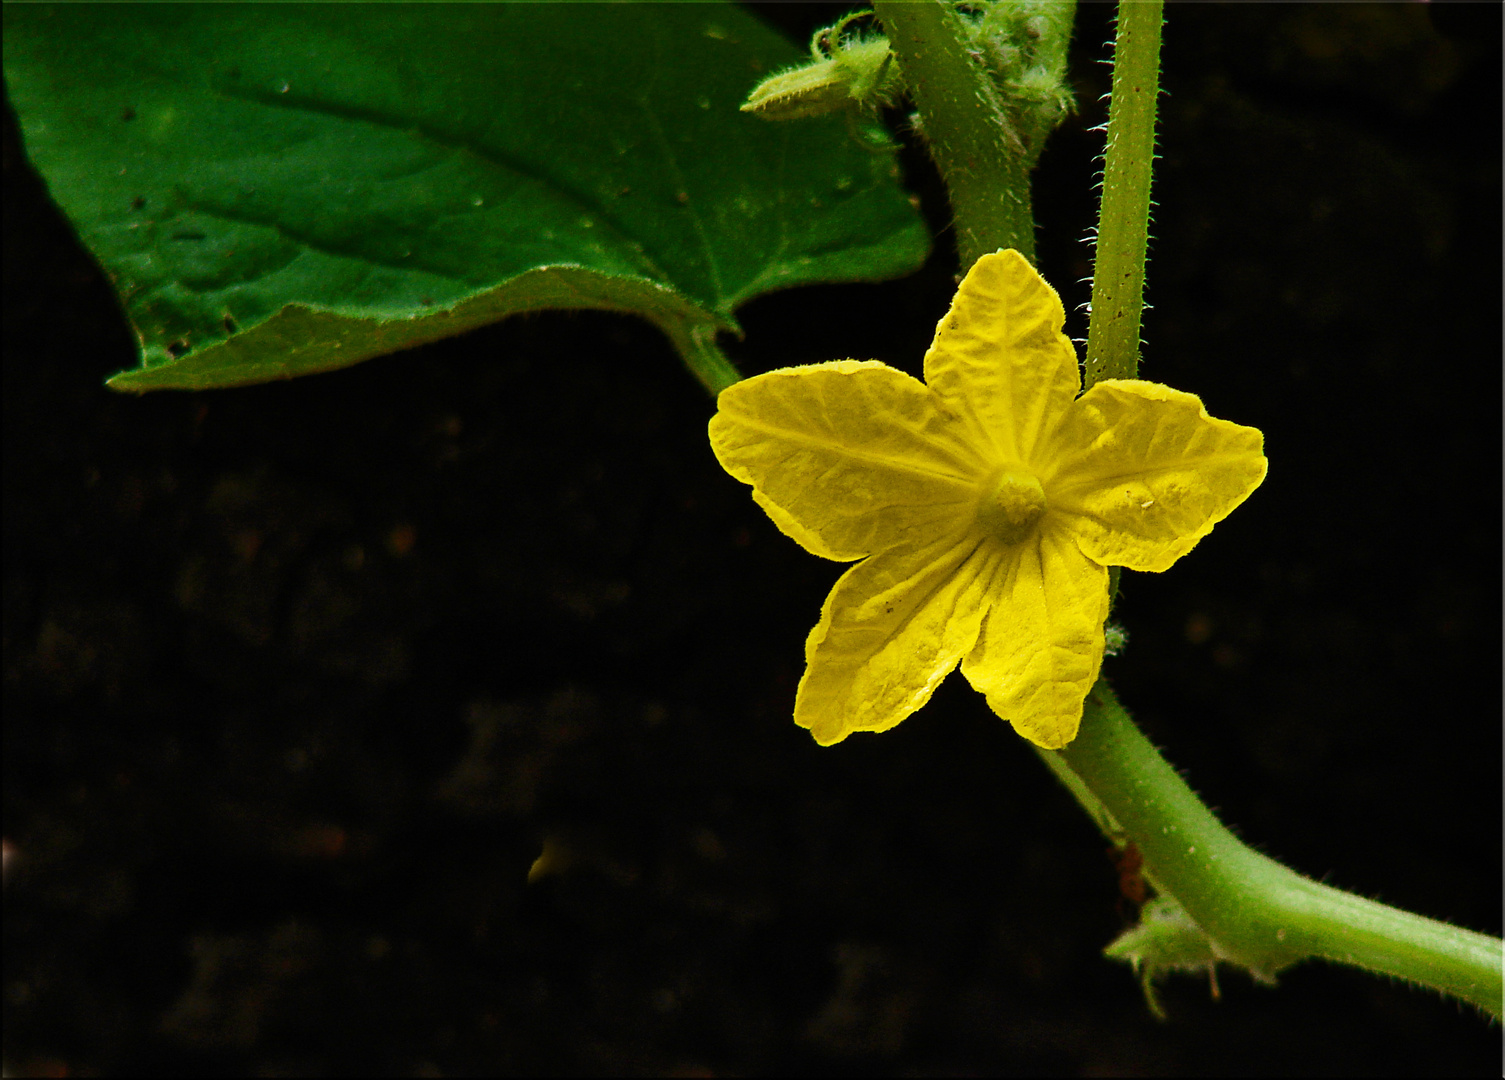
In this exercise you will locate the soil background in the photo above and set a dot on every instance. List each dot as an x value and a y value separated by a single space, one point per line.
301 679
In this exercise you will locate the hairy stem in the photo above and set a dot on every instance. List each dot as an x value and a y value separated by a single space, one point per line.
1123 221
1260 915
966 126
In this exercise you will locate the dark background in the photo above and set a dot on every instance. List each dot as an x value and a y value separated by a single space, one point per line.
300 679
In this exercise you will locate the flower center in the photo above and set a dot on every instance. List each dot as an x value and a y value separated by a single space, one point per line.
1011 505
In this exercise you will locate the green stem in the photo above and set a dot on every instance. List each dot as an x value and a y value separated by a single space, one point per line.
1123 218
967 127
1259 914
1123 222
696 344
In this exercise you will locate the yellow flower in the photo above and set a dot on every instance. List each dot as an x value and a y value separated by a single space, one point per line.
985 504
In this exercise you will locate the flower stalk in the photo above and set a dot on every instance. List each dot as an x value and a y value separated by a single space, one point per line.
1258 914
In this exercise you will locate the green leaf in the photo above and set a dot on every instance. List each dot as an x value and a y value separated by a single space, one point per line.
282 190
1167 939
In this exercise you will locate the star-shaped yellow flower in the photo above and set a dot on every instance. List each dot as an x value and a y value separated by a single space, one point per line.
985 504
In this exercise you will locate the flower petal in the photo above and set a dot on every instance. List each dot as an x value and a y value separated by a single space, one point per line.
848 457
1141 472
999 358
1041 643
894 626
